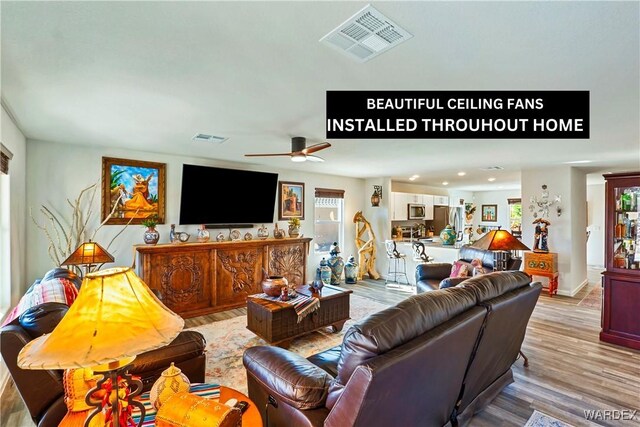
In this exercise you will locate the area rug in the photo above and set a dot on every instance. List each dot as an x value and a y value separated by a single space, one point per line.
538 419
593 299
228 339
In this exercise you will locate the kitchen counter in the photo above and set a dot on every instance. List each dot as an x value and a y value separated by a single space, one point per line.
427 244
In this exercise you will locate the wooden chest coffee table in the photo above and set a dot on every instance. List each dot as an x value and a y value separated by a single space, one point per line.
277 323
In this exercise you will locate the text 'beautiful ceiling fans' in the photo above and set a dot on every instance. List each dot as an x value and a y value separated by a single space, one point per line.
299 151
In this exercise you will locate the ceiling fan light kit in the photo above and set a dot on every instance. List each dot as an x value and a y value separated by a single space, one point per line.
299 151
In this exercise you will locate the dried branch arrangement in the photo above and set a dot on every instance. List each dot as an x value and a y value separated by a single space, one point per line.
65 236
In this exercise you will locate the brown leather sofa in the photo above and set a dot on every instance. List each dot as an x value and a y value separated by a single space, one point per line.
430 276
434 359
42 390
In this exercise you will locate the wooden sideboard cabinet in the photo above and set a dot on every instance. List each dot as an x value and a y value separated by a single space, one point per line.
202 278
621 293
543 264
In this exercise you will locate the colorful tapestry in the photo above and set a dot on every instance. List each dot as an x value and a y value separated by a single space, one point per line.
52 290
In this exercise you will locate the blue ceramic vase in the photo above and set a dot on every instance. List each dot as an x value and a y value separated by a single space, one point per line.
336 264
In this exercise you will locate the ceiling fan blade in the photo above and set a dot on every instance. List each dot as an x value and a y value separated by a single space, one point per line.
267 155
313 158
316 147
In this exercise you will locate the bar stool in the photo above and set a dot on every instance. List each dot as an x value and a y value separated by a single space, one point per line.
419 254
395 258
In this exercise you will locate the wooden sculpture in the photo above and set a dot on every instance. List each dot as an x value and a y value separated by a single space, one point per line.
366 248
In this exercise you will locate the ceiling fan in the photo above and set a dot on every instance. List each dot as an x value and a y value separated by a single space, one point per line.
299 151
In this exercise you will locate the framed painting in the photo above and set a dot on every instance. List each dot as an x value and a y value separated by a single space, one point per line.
490 213
290 200
133 190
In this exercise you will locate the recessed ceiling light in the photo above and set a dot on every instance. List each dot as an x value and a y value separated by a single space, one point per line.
462 173
414 177
577 162
445 183
491 179
208 138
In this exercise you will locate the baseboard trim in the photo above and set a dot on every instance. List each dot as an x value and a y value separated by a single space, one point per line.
574 292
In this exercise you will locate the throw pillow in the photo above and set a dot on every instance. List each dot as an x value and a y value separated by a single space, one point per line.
478 268
459 269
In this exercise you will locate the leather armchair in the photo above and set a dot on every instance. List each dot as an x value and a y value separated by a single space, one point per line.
42 390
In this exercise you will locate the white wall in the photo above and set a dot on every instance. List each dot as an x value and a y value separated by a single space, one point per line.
567 233
59 171
403 187
14 140
499 198
595 224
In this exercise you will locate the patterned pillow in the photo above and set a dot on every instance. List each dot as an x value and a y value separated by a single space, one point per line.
459 269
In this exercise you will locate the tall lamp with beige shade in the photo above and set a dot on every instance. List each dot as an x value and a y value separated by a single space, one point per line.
114 318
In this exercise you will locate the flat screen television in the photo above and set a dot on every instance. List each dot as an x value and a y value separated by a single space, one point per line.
226 196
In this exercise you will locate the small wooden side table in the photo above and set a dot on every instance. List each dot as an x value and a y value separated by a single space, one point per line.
543 264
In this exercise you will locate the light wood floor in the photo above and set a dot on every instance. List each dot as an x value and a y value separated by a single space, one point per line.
569 371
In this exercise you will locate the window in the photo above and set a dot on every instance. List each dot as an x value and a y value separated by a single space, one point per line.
329 219
5 238
515 216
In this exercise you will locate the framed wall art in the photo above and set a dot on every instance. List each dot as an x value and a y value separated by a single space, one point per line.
290 200
490 213
133 190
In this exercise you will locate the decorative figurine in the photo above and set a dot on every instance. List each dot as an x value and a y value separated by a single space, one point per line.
172 233
278 233
336 264
220 237
351 271
263 233
366 248
540 243
203 234
325 272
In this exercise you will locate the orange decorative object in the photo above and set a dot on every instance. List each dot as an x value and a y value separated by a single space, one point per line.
171 381
188 410
545 265
77 382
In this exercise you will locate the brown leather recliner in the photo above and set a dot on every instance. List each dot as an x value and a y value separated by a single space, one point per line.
430 276
42 390
434 359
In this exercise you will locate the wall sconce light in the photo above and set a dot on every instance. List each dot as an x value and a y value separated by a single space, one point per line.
376 196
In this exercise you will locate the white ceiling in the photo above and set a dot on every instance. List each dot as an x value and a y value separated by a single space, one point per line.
149 75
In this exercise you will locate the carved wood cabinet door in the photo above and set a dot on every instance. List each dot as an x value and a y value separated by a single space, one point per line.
288 261
238 274
184 279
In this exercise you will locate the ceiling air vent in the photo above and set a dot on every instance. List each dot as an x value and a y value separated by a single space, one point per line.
493 168
366 35
208 138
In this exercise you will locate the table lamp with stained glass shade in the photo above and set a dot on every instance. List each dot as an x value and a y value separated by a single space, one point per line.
88 254
114 318
501 242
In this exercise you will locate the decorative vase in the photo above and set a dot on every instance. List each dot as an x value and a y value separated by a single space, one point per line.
336 264
325 272
203 234
171 381
151 236
272 285
278 233
220 237
263 232
351 271
294 231
448 236
318 284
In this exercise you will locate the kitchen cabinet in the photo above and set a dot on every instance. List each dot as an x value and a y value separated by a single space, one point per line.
428 202
399 206
440 200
